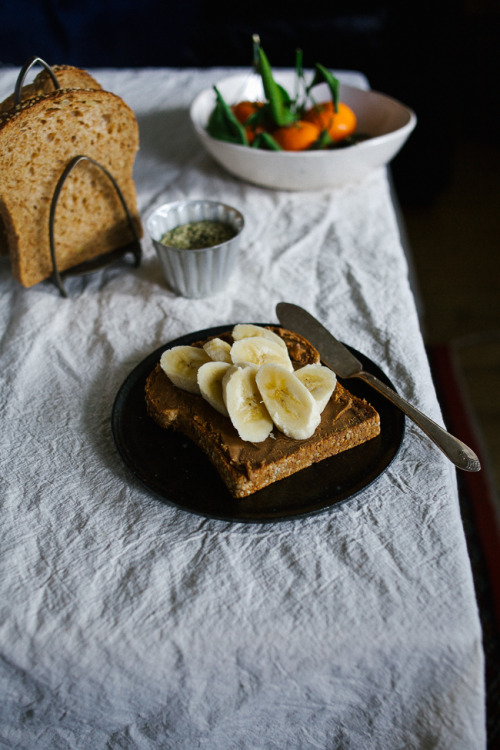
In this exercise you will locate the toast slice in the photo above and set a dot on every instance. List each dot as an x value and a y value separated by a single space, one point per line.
67 76
37 141
246 467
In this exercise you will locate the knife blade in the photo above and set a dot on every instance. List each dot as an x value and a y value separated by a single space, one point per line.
339 359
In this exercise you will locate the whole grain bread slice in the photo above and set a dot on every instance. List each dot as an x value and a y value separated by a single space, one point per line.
37 141
245 468
68 77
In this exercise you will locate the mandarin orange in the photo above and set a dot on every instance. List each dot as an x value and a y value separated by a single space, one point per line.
245 109
338 124
298 136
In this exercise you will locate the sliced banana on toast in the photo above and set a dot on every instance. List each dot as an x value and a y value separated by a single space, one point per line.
246 330
258 350
320 381
210 376
181 364
253 382
244 404
218 350
290 405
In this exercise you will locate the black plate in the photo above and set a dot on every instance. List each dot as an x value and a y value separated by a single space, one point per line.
178 472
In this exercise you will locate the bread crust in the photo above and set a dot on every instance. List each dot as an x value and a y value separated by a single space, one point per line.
68 77
37 141
245 468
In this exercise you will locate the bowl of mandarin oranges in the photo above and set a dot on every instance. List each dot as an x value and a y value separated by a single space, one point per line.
298 129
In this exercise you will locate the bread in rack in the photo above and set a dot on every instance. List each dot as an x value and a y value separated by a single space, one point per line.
68 77
38 139
246 467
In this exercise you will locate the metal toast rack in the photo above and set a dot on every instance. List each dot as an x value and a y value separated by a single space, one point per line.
101 261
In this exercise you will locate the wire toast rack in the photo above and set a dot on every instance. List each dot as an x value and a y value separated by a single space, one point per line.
106 259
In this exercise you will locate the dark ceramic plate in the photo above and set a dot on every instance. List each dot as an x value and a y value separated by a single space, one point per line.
178 472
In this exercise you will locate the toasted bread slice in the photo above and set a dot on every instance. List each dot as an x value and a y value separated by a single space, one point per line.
68 77
245 467
37 141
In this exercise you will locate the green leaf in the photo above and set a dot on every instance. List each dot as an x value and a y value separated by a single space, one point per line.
276 95
323 75
285 96
266 141
223 125
324 141
298 63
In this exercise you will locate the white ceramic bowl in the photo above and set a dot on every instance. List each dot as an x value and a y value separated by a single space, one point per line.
204 271
387 121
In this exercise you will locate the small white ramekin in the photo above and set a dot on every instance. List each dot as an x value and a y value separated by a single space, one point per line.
201 272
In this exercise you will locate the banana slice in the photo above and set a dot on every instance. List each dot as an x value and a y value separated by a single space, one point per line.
246 330
209 378
320 381
290 405
244 404
181 364
218 350
257 350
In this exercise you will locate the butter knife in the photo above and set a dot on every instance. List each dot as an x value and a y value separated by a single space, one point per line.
339 359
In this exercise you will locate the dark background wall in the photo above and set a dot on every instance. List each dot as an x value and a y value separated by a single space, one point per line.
429 55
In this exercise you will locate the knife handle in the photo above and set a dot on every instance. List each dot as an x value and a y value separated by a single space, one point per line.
459 453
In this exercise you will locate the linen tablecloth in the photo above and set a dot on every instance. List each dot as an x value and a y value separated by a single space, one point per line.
129 623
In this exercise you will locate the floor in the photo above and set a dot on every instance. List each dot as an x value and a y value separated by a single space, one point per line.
456 254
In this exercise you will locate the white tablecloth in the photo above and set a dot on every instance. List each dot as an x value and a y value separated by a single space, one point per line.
129 623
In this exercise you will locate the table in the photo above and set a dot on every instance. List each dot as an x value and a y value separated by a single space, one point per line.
130 623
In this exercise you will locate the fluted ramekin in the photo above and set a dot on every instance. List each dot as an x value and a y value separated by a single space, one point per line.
200 272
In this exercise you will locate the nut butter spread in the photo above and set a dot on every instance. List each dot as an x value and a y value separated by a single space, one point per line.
192 415
192 412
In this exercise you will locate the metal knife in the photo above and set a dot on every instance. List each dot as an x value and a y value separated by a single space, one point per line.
339 359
